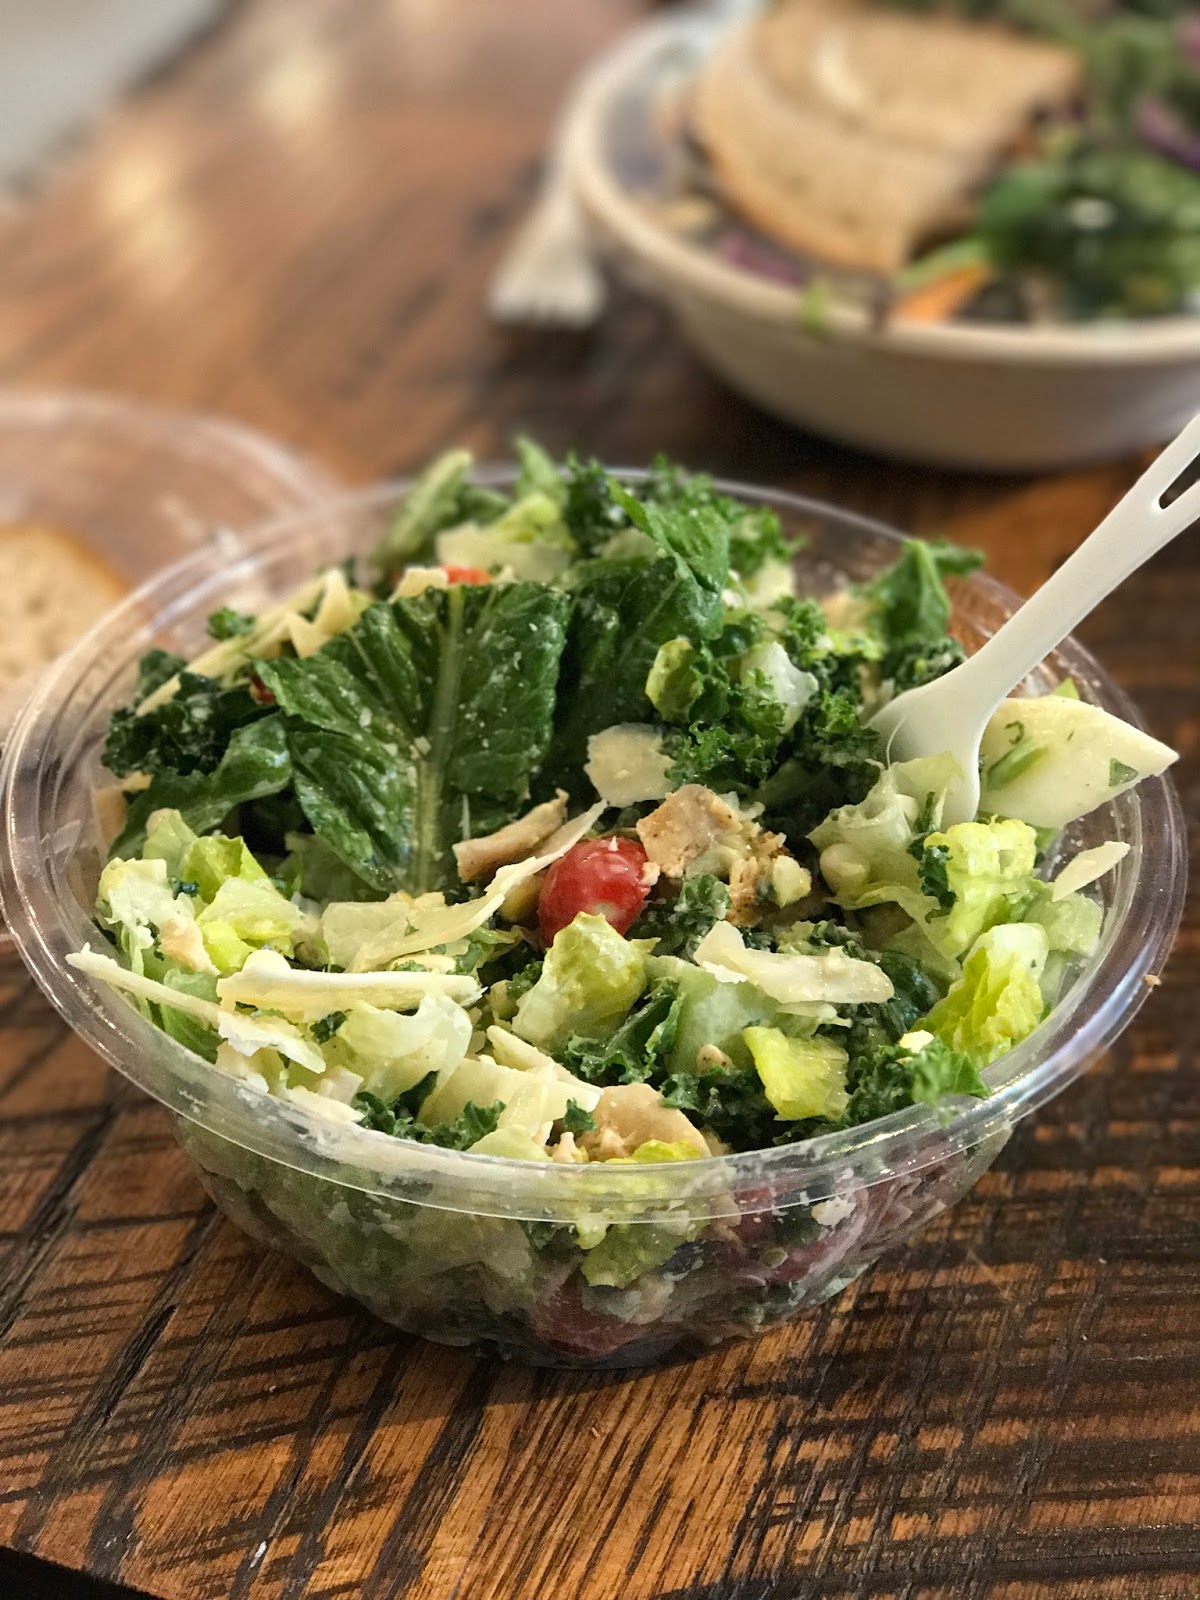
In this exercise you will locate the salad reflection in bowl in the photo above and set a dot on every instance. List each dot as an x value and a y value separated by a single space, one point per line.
524 925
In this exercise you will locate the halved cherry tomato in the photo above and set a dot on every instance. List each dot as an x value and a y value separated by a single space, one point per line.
260 692
604 876
457 574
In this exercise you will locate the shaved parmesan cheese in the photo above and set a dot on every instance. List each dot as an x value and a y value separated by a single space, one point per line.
420 929
522 1056
337 608
323 1105
248 1035
627 764
270 983
834 977
119 977
1086 867
415 581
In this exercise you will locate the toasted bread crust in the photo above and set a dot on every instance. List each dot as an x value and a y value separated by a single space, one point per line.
851 134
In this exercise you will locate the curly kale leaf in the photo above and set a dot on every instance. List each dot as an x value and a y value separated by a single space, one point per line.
680 924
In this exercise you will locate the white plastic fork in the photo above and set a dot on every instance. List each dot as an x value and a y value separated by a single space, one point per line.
951 714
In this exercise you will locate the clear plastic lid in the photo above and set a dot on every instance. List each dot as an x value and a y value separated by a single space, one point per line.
141 487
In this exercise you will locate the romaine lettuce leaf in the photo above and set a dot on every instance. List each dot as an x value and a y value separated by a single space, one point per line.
998 1000
590 979
392 1051
528 1100
429 712
800 1077
987 868
253 914
435 501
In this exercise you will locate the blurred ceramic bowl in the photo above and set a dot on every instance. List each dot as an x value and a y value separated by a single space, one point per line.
966 394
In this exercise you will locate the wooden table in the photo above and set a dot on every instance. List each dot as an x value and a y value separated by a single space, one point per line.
295 226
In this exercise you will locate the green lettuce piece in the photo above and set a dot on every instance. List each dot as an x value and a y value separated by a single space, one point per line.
998 1000
432 503
245 915
209 862
527 1099
392 1051
629 1250
1072 925
512 1144
427 711
659 1150
317 872
986 867
168 838
875 837
539 472
800 1077
590 979
709 1012
135 900
191 1032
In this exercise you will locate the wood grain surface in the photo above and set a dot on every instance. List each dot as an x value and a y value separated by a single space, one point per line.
295 226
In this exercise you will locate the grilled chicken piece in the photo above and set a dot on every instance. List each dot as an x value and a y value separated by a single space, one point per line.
479 858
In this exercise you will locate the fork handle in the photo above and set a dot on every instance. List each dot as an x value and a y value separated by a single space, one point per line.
1137 527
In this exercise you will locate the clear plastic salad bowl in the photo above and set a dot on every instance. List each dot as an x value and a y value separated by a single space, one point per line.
481 1251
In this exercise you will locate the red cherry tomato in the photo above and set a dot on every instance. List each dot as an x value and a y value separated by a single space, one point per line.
260 692
604 876
456 574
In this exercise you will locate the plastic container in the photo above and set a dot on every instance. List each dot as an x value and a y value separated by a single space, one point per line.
477 1250
145 487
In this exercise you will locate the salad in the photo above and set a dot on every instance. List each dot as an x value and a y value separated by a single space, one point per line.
1075 195
556 831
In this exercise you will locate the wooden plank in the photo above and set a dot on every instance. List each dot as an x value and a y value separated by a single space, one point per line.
297 226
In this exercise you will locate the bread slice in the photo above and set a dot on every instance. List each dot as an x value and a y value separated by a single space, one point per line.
926 82
53 587
851 133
